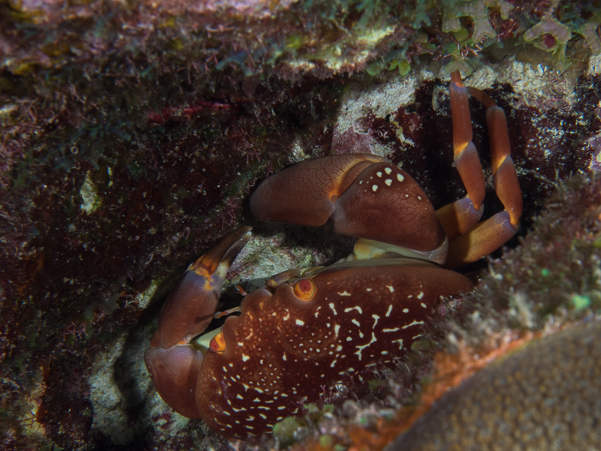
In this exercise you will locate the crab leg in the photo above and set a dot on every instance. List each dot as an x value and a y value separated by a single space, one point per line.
491 234
172 360
462 215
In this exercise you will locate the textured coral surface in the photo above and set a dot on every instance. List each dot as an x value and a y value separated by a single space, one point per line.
544 396
133 133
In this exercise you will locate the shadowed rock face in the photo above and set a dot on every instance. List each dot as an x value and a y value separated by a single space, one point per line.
544 396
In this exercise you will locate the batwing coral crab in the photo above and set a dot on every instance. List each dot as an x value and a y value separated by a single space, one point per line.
310 329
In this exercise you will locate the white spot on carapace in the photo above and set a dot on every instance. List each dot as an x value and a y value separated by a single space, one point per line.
374 188
390 287
256 400
240 344
417 336
287 317
421 295
379 174
424 305
349 338
246 387
389 310
332 307
368 289
333 363
339 348
400 342
388 182
336 329
281 407
346 310
419 197
356 323
388 170
300 322
239 397
284 356
414 323
362 347
391 330
400 177
344 293
384 352
405 310
376 318
245 357
360 182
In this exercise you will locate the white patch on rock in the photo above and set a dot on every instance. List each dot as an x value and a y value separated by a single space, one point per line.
111 399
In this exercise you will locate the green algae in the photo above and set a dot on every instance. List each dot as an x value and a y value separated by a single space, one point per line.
339 37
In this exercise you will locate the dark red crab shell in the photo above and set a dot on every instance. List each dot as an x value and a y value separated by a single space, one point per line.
282 350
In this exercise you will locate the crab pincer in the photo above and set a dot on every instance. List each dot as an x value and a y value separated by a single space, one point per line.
174 359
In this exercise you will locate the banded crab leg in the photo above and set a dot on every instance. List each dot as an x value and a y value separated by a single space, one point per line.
470 240
462 215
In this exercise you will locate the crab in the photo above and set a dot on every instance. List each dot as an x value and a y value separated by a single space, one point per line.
309 330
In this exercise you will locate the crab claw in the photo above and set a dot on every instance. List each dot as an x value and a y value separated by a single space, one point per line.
366 196
173 361
190 307
174 373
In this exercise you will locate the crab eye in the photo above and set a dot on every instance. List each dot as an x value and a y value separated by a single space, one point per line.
304 289
217 343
